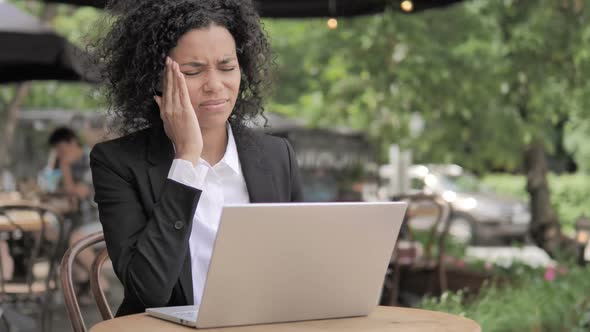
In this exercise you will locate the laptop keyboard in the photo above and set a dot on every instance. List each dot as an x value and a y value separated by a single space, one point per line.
189 315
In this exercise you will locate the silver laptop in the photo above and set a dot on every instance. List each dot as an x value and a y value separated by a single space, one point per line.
290 262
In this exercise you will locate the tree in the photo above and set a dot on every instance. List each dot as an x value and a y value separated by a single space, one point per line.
491 79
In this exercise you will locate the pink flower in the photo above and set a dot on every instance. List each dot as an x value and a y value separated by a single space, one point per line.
550 273
562 270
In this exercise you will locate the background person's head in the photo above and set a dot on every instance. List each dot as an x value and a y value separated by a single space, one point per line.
219 44
65 142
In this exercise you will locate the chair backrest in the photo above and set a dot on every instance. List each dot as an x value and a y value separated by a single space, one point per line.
442 214
99 296
67 284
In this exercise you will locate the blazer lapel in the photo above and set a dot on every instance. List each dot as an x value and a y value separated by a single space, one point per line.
259 180
160 156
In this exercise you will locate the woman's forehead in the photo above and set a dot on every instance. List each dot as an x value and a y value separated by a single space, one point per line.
213 42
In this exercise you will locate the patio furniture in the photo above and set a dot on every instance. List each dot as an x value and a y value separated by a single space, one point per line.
410 254
382 319
72 305
35 238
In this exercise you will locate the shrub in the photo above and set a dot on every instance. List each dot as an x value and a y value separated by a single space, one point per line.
537 300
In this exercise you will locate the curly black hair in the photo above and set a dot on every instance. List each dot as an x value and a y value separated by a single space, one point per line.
142 33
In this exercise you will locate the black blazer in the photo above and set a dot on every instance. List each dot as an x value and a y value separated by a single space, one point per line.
147 217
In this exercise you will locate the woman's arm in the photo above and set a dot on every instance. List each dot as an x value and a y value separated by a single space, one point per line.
147 251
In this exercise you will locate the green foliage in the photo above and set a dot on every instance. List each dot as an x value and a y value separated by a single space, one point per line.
486 76
576 142
69 96
512 185
529 303
570 194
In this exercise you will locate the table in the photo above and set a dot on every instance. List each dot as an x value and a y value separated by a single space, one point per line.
28 221
393 319
27 218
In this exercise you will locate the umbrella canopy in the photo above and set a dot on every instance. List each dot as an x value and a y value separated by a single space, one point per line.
30 50
338 8
312 8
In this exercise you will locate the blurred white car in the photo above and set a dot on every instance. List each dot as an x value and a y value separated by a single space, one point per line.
479 214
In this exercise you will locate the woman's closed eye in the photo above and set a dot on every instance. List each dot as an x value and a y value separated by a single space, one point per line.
195 73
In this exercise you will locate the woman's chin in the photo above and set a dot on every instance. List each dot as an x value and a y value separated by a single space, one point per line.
211 122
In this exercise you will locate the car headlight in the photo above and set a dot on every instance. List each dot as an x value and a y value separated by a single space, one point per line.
467 204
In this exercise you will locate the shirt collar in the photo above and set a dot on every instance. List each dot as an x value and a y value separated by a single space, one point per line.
230 158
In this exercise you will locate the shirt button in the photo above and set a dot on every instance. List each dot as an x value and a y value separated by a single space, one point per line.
179 225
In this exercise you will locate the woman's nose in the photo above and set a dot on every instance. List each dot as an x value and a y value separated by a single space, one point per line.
213 83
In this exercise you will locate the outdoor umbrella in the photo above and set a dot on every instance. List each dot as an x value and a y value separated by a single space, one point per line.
30 50
338 8
311 8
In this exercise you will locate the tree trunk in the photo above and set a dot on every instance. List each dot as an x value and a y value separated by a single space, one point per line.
11 122
545 227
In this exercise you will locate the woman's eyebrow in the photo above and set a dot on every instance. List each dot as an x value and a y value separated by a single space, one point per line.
198 64
226 60
195 64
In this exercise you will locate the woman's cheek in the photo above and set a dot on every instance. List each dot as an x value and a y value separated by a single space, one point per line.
192 92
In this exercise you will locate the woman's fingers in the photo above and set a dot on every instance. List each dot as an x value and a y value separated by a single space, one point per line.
168 94
184 96
176 93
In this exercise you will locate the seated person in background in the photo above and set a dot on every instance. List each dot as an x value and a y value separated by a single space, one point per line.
76 180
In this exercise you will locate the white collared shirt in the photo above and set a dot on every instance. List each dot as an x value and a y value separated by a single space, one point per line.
222 183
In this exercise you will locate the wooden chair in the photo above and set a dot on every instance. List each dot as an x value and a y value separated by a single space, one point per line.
35 236
67 284
406 253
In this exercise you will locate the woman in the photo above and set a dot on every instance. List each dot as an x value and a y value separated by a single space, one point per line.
193 73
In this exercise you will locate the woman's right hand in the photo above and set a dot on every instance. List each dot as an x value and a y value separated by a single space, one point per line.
179 117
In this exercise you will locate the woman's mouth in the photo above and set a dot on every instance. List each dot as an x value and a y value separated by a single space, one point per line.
213 105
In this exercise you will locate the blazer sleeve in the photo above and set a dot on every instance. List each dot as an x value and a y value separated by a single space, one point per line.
295 176
147 252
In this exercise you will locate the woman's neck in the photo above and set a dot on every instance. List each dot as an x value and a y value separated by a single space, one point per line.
214 144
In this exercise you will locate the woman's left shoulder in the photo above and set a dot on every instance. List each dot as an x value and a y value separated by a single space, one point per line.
258 140
275 144
273 140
